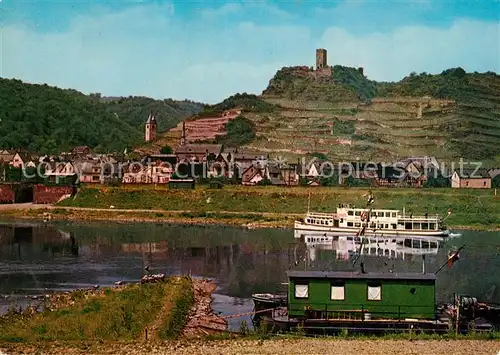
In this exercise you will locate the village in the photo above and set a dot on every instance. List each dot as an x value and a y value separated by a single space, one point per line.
192 163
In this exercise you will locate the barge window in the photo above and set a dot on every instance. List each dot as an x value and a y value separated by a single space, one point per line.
301 290
416 225
374 214
338 292
394 215
408 225
380 214
357 213
425 225
394 226
350 213
374 292
432 226
388 214
349 224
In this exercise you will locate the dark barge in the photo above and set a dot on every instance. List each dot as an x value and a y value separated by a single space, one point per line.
329 302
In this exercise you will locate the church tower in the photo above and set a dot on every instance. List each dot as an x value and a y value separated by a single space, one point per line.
150 134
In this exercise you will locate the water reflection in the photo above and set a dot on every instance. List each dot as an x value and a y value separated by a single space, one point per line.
37 258
348 247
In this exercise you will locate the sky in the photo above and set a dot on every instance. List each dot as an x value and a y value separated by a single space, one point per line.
208 50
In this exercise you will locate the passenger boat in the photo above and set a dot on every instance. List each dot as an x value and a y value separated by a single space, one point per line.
326 302
350 220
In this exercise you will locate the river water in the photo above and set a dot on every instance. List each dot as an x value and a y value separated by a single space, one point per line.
39 258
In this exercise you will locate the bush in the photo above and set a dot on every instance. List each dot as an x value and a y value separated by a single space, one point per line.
166 150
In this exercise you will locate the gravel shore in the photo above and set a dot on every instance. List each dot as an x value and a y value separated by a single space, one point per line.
285 346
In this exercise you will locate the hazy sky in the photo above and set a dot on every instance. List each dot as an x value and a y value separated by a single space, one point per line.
208 50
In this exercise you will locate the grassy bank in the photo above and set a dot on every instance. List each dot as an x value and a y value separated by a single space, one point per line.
121 313
471 208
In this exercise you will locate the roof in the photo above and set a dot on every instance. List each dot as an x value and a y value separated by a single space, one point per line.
199 148
359 275
473 174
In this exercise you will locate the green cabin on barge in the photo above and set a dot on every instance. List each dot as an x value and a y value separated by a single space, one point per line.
362 296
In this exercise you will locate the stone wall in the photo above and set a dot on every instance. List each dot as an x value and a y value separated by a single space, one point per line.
7 194
50 194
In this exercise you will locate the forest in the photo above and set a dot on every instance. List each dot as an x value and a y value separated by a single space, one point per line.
48 120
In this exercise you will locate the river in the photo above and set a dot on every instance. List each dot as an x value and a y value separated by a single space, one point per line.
38 258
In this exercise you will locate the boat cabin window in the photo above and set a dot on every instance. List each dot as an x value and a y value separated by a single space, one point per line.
349 224
308 220
386 226
388 214
394 226
380 214
357 225
432 226
425 225
408 225
337 291
372 225
374 214
374 292
416 225
394 214
350 213
357 213
301 290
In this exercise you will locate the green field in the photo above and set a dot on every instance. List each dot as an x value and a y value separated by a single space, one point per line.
478 209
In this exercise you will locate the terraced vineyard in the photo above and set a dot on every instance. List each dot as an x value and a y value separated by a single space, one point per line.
346 116
465 122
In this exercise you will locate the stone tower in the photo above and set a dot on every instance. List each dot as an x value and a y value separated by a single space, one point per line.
321 61
150 134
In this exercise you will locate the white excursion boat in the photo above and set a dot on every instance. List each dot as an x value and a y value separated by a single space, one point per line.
372 222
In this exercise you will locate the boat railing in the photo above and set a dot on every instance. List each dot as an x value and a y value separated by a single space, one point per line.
361 312
411 218
321 215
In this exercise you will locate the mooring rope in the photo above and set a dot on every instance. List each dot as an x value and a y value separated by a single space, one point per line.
247 313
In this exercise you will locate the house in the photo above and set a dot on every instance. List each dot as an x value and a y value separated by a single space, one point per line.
89 171
290 175
318 294
471 178
253 175
81 151
391 176
59 169
18 160
197 152
241 161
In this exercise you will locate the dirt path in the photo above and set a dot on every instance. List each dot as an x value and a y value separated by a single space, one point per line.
285 346
152 330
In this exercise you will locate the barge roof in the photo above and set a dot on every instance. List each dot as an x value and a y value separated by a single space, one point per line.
359 275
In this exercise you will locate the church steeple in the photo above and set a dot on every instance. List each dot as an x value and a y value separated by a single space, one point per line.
150 134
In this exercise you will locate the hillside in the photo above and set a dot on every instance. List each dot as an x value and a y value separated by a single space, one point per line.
346 116
49 120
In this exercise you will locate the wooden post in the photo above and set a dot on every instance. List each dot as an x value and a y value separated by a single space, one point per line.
146 333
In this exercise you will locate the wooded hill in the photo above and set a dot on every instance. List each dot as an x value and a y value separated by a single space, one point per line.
47 119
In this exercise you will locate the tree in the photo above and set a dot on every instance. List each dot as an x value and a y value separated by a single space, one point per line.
166 150
496 182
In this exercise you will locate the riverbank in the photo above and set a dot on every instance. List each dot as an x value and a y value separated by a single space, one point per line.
273 346
149 311
263 206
